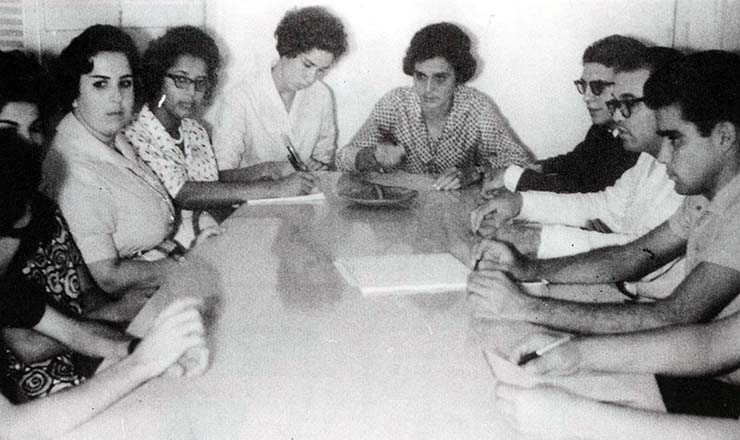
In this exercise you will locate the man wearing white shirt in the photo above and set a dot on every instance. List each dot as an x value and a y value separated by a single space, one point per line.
640 200
599 160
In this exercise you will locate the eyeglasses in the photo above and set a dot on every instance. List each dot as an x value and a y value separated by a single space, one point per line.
625 106
597 86
183 82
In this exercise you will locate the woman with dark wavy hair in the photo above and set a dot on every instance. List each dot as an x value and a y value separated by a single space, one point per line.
284 103
439 125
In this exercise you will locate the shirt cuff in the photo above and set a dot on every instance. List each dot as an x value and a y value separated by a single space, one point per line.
511 177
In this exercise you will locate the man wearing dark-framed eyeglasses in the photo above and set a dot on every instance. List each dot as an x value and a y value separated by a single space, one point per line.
641 199
625 106
599 159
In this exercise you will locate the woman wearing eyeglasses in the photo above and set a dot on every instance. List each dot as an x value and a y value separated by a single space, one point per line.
438 126
117 209
284 103
180 71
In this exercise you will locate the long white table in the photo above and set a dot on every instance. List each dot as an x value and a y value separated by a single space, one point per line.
299 354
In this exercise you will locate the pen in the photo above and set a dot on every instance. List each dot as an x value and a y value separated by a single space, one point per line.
537 353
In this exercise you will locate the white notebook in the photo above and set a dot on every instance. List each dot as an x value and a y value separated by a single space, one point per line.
404 274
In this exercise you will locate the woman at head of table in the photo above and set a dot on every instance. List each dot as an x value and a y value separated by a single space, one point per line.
283 103
179 72
439 125
118 211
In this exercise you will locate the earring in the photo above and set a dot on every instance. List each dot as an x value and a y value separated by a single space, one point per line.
74 104
161 100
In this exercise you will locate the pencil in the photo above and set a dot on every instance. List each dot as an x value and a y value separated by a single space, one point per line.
537 353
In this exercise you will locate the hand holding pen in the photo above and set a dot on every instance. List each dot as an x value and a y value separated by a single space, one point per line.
548 353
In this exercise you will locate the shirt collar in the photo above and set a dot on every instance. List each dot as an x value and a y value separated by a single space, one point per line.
83 144
727 197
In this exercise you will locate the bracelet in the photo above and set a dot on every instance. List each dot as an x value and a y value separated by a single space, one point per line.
133 343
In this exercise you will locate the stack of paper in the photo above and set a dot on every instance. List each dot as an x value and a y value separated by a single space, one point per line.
404 274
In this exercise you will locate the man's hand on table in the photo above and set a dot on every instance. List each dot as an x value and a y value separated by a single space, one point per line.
524 237
497 211
560 361
493 182
541 411
493 294
495 255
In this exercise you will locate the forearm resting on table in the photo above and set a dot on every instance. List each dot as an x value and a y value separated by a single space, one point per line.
627 262
611 422
252 173
687 350
61 412
205 195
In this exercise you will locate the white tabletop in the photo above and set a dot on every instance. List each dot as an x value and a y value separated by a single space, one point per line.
298 353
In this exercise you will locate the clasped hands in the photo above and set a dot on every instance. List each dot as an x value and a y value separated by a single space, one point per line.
493 219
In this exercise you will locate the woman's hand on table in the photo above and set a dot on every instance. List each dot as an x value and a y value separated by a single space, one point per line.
560 361
315 165
456 178
493 294
389 155
540 412
176 330
296 184
495 212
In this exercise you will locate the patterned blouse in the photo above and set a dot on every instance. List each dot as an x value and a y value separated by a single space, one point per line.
475 133
49 260
174 166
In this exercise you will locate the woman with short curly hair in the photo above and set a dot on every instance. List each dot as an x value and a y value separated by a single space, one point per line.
439 125
286 103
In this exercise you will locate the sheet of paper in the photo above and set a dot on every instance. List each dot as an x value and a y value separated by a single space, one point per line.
404 274
309 198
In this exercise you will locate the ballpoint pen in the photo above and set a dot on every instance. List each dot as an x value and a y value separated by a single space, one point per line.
537 353
293 157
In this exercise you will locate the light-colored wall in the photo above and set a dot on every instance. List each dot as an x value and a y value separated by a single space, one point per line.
529 52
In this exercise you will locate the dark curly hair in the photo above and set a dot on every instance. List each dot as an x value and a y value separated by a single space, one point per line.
20 175
615 51
705 86
444 40
76 59
163 53
304 29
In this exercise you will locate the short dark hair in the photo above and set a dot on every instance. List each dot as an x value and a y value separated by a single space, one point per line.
444 40
705 86
304 29
76 59
163 53
654 57
20 175
21 79
615 51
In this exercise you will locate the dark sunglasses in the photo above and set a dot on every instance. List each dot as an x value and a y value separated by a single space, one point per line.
597 86
183 82
625 106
